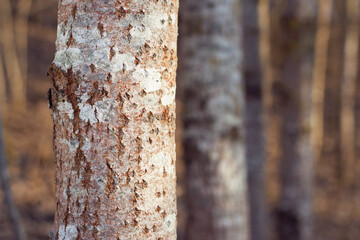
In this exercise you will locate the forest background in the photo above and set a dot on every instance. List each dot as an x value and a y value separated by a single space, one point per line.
28 33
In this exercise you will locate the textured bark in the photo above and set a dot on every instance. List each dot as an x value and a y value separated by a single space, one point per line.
293 36
348 90
254 121
113 101
213 137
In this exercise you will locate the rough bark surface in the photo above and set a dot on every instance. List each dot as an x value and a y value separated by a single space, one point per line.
254 120
293 36
213 108
113 101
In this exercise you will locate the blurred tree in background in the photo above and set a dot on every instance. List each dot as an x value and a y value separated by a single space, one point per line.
212 94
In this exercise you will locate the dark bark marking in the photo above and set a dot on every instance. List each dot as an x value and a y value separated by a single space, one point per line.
121 12
112 53
70 41
73 11
100 27
92 68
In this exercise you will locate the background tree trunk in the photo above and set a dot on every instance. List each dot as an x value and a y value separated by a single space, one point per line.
332 120
293 45
12 210
113 100
213 116
254 121
319 75
348 90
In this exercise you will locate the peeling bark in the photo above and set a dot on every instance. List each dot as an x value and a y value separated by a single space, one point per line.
213 106
113 102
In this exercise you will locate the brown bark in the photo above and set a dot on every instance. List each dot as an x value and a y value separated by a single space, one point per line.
113 101
213 108
254 121
293 44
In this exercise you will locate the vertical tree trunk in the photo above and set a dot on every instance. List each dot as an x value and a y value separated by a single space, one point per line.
21 37
11 208
319 75
113 100
213 138
293 46
254 121
348 90
332 119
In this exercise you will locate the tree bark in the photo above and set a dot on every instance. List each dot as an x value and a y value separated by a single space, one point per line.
254 121
113 101
293 36
213 116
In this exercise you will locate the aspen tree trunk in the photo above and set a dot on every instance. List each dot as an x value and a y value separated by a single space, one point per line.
213 116
113 101
293 45
254 121
348 90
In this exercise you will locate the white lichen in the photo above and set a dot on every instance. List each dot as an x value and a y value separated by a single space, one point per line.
68 233
71 57
149 78
87 113
72 144
168 99
66 107
170 222
106 110
122 62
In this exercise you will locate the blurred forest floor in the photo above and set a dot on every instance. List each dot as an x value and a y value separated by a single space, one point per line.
28 136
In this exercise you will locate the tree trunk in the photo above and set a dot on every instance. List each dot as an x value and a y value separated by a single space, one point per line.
348 90
11 208
332 119
254 121
293 46
11 60
319 75
213 138
113 101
